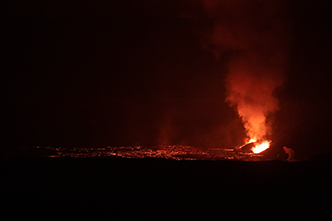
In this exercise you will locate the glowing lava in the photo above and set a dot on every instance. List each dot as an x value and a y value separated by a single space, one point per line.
256 147
261 147
252 140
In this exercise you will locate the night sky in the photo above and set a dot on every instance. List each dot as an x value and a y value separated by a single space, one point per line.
136 73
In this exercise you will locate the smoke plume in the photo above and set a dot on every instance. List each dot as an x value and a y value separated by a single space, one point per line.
291 154
254 34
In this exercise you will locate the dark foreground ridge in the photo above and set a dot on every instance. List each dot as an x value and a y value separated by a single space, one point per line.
151 178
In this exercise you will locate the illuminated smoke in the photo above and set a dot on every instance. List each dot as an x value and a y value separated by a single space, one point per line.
254 33
291 154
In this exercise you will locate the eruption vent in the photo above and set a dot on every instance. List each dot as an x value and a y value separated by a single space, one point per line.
254 33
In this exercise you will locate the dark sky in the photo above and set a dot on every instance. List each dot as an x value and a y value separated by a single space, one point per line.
139 76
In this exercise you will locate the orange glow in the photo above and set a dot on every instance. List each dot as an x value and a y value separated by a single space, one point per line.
261 147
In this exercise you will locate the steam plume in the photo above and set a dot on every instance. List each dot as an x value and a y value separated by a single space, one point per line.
291 154
255 34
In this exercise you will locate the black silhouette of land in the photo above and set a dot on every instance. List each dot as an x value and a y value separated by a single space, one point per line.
161 180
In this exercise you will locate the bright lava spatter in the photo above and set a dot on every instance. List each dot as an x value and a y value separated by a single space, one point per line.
261 147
